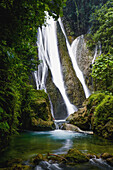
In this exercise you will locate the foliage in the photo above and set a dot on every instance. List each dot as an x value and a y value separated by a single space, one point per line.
102 73
95 99
103 118
101 31
102 27
77 14
100 111
19 21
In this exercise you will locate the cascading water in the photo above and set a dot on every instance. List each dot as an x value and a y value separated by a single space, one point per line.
48 53
95 54
98 47
73 54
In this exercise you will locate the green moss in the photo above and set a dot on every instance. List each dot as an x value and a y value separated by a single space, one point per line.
38 158
39 125
35 106
74 156
95 99
103 118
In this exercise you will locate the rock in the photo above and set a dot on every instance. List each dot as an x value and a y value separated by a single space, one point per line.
106 155
90 156
41 125
80 119
66 126
102 119
96 115
110 161
38 158
74 156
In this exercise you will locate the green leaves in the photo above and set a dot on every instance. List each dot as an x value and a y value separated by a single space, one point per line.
102 27
102 72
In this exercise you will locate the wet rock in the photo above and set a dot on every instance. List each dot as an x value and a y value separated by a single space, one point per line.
110 161
90 156
80 119
41 125
106 155
38 158
66 126
74 156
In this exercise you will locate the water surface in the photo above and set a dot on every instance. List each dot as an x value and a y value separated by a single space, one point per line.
28 144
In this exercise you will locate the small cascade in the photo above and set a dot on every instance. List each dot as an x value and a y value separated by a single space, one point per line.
49 55
36 80
58 123
73 54
98 47
95 55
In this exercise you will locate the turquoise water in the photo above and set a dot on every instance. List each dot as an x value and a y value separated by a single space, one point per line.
28 144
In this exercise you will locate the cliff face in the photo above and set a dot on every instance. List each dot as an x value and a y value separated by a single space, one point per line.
84 60
59 107
73 86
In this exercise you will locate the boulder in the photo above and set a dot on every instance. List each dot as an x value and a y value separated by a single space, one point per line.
74 156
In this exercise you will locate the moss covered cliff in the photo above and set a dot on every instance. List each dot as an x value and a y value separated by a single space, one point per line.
97 114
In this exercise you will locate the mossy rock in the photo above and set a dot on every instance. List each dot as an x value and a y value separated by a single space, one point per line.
97 111
74 156
106 155
37 106
94 100
39 157
102 120
110 161
80 119
39 125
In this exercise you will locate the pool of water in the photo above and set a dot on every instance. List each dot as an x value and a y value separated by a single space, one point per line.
28 144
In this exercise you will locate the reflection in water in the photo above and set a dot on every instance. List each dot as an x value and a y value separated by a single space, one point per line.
27 144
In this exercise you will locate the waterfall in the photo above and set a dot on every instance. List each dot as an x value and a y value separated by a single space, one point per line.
98 46
49 55
95 54
72 50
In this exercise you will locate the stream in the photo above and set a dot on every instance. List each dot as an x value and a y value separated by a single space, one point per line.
28 144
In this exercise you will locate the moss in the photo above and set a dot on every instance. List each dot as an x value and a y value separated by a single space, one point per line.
74 88
39 157
36 107
97 111
95 99
80 119
39 125
74 156
100 108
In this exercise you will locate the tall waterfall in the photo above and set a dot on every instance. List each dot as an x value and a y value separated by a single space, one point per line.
73 54
49 55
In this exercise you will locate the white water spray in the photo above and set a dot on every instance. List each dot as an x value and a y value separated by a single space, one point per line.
73 54
48 53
